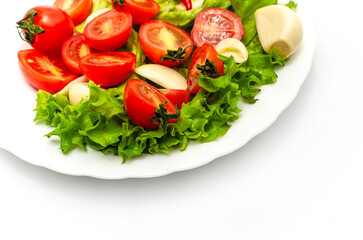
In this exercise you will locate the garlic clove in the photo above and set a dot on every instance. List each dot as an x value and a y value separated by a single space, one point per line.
233 47
77 92
279 28
163 76
65 90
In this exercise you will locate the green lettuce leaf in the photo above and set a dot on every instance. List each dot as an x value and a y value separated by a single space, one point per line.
96 5
133 45
245 10
185 18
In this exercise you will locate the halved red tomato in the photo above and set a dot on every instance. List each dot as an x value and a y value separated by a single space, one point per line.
78 10
212 25
45 72
73 49
109 31
157 37
141 100
177 96
108 69
200 56
141 10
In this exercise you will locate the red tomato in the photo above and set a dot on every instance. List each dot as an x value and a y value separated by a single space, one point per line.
108 69
141 99
157 36
177 96
200 56
57 26
141 10
109 31
73 49
46 72
78 10
212 25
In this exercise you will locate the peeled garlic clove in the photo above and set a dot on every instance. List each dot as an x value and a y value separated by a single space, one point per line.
279 28
233 47
96 14
77 92
195 4
163 76
65 90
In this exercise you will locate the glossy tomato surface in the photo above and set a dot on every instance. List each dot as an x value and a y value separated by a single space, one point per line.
44 71
177 96
200 56
57 26
78 10
109 31
73 49
157 36
212 25
141 99
108 69
141 10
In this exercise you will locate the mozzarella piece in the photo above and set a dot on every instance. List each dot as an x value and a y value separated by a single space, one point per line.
195 4
96 14
233 47
77 92
65 90
279 28
163 76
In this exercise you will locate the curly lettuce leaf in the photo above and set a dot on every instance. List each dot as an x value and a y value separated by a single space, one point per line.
184 18
96 5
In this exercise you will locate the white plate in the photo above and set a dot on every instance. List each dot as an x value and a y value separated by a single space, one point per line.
24 138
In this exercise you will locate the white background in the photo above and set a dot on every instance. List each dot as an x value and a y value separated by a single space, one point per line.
300 179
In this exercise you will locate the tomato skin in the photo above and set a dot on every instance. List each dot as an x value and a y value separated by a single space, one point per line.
200 56
141 99
108 69
177 96
155 47
109 31
73 49
78 11
207 26
58 27
44 71
141 11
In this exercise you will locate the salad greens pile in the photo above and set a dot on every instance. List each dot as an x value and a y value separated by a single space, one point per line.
102 123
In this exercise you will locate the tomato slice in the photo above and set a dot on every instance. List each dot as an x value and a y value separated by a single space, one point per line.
46 72
212 25
176 96
108 69
200 57
141 10
78 10
109 31
141 99
73 49
157 36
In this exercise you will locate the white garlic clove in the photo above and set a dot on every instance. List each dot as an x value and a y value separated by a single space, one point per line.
77 92
233 47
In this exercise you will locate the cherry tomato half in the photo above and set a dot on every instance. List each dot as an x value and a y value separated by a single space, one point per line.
109 31
212 25
73 49
78 10
177 96
141 10
157 36
57 26
46 72
200 57
108 69
141 99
